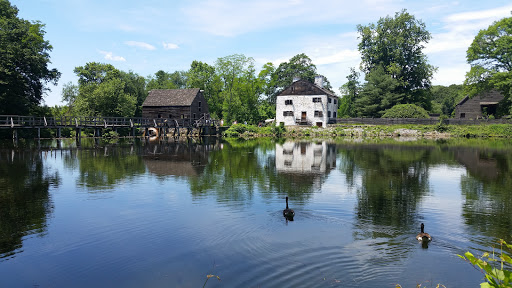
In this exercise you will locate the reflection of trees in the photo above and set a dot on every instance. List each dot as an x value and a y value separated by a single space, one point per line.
236 172
393 180
486 189
25 203
105 167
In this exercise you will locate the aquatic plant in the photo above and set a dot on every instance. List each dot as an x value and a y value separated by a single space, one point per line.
492 266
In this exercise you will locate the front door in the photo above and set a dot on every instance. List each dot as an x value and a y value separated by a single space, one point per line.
303 117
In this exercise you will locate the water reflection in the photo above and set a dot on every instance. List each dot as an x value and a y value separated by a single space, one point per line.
182 159
25 204
102 168
486 190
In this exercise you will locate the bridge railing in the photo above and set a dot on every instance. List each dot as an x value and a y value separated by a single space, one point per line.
16 121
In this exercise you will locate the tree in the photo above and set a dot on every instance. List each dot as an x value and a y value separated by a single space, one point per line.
102 91
396 44
377 94
300 66
349 92
446 98
490 58
164 80
203 76
239 90
24 62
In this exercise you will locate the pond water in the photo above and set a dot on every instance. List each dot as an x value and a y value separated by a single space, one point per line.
167 214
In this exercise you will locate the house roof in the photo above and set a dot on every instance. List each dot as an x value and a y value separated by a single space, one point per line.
316 90
171 97
489 97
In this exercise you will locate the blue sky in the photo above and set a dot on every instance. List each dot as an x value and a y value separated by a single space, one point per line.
147 36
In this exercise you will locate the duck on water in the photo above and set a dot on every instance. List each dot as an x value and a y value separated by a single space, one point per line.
288 213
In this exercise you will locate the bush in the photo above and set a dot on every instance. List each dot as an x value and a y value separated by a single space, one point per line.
237 129
405 111
491 265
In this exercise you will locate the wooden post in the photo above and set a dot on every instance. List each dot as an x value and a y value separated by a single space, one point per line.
59 135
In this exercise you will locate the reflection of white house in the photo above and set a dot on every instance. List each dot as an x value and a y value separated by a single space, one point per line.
305 157
305 103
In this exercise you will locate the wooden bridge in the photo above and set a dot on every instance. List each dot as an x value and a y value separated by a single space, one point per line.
162 125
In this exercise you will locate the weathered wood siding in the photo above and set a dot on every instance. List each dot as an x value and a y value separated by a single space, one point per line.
196 110
471 108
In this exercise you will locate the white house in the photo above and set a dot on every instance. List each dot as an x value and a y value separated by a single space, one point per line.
305 103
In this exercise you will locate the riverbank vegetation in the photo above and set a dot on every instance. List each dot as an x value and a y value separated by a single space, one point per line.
372 131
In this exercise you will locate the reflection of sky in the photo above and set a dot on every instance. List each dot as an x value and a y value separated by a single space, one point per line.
152 231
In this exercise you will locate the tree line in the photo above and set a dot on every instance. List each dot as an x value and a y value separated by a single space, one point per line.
393 71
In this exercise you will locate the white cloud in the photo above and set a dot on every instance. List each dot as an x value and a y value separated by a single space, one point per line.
110 56
141 45
169 46
490 14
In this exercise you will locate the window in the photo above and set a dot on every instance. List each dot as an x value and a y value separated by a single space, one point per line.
194 115
330 100
159 115
329 114
287 113
319 114
288 102
317 100
335 101
333 114
170 116
462 115
199 104
182 116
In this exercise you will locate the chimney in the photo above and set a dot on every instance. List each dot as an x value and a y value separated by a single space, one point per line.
319 81
296 78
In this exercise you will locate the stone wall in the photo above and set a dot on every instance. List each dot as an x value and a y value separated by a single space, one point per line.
428 121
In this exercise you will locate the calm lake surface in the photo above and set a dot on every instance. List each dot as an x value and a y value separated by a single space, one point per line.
135 214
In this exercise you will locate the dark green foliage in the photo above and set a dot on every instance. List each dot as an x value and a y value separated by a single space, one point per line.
405 111
105 91
490 58
396 44
349 92
446 98
378 94
24 59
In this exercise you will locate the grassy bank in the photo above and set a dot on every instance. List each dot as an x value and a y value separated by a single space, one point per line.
405 130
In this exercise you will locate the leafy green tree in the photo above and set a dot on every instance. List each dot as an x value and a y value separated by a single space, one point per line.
405 111
135 85
446 98
24 62
396 44
203 76
300 66
101 92
349 92
240 91
490 58
377 94
164 80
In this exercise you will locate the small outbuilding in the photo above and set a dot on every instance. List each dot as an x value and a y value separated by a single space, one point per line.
477 107
306 103
175 104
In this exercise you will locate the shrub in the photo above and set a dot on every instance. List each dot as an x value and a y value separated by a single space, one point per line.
491 265
405 111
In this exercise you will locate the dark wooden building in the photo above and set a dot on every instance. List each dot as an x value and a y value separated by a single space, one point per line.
175 104
479 106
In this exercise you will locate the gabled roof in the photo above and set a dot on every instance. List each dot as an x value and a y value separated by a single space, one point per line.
171 97
486 98
313 89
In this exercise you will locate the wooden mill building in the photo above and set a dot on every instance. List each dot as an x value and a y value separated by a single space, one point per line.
175 104
481 105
